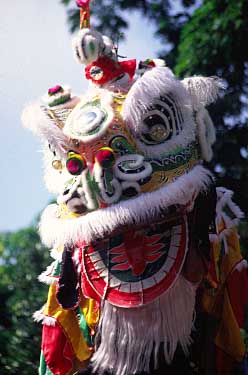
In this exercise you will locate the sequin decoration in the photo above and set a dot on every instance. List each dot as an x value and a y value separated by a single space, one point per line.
159 133
57 164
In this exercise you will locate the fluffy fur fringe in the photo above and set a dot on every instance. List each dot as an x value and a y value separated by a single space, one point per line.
46 276
46 320
206 133
225 199
203 90
100 223
228 213
153 84
35 119
130 337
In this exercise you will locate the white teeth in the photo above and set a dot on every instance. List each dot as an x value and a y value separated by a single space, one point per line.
104 273
159 277
173 251
168 264
95 257
114 283
176 239
147 283
125 287
99 266
135 287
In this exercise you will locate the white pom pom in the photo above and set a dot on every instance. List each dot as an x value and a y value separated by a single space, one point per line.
87 46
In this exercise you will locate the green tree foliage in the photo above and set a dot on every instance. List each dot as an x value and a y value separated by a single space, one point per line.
203 38
22 259
214 42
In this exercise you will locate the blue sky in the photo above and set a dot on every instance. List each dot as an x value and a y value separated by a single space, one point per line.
35 55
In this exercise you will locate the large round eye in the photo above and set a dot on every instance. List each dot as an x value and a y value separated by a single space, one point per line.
88 121
158 128
162 121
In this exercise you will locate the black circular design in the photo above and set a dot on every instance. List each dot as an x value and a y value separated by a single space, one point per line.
163 121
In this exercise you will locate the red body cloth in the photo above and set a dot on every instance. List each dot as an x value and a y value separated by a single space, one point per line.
57 350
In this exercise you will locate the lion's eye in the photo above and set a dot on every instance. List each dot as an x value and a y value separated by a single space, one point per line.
162 121
88 117
91 120
88 121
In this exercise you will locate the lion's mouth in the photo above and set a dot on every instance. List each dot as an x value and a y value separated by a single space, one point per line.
137 265
167 203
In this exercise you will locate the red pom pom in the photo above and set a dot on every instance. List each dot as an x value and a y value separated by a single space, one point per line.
105 157
54 90
75 164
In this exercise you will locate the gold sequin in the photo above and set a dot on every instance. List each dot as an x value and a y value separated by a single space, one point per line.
57 164
158 133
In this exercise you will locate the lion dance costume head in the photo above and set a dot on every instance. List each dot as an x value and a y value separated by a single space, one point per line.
133 212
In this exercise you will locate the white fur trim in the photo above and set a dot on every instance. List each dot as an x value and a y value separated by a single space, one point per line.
225 199
102 222
38 316
129 337
46 276
36 119
55 254
203 90
55 180
46 320
206 133
231 219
